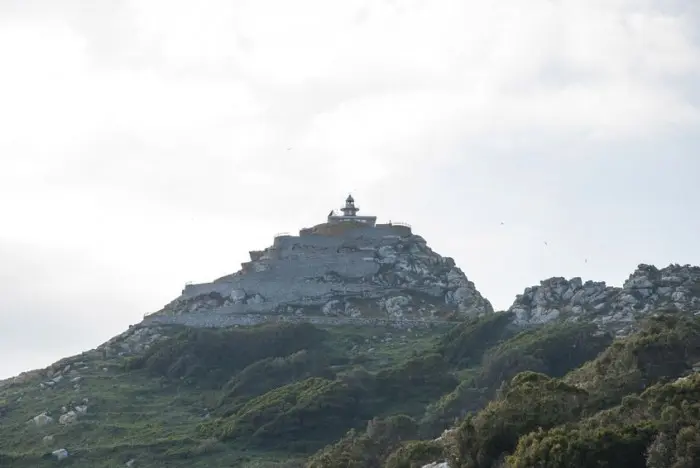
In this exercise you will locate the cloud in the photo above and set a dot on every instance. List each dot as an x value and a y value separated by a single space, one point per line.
211 79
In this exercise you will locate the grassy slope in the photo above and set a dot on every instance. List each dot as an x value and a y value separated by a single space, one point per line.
272 396
157 419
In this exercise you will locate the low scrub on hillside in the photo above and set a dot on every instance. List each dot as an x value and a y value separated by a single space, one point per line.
552 350
559 419
465 344
289 395
531 401
213 356
270 373
665 347
658 429
318 410
368 448
617 410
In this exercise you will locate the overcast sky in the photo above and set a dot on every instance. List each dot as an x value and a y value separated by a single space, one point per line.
144 144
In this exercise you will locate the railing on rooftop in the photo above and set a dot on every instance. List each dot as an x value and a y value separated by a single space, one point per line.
282 234
395 223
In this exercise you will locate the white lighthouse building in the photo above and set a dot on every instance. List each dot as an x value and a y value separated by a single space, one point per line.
350 214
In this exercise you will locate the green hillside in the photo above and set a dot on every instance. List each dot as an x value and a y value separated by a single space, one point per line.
295 395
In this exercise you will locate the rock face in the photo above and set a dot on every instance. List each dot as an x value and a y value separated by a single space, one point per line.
60 454
349 271
646 290
42 420
132 341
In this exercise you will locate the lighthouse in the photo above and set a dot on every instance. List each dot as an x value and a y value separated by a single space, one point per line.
349 209
350 214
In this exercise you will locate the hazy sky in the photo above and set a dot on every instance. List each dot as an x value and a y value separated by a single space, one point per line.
144 143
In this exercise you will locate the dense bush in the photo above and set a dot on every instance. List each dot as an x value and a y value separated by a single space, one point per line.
540 421
572 448
366 449
657 429
414 454
552 349
665 347
319 410
409 387
465 344
529 402
315 410
270 373
211 356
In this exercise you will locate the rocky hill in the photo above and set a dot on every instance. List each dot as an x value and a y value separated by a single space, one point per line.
614 308
347 270
342 271
353 344
432 291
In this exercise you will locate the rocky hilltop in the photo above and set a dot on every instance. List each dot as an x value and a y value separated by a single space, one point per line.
647 289
347 268
352 270
555 388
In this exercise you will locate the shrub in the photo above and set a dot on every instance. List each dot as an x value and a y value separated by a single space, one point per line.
270 373
664 348
465 344
415 454
562 448
368 449
211 356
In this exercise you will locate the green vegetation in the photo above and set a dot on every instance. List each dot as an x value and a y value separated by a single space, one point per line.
530 401
295 395
212 356
552 350
414 454
595 415
270 373
369 448
310 413
185 400
665 347
466 343
657 429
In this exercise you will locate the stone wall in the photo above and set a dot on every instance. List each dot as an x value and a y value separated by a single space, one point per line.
276 273
384 263
349 228
214 320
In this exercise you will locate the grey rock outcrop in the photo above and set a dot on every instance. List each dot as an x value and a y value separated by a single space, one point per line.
617 308
132 341
358 272
60 454
69 418
42 420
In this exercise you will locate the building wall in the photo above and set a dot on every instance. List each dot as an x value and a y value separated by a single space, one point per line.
256 254
280 267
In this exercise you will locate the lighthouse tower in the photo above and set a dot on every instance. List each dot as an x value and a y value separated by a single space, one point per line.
350 214
349 209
